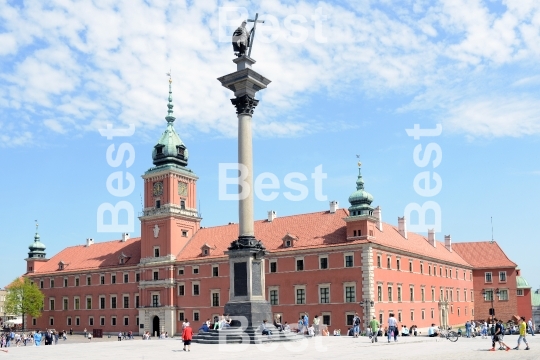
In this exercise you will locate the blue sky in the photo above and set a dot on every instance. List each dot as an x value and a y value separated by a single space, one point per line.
349 81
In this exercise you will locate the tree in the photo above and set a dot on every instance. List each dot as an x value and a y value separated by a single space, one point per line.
23 297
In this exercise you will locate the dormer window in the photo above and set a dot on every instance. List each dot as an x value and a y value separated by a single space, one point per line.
61 265
206 250
180 151
288 240
159 150
123 258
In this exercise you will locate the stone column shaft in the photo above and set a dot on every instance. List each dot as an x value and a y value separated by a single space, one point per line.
245 157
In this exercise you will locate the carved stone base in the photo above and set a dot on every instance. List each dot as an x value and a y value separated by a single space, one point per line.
254 312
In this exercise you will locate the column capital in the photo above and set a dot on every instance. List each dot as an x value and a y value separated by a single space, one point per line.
245 104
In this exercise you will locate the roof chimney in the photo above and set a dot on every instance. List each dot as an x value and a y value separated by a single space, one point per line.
448 242
271 215
334 206
125 237
89 242
431 237
378 214
402 226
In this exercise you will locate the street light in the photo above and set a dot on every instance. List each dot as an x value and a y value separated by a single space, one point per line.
367 304
492 310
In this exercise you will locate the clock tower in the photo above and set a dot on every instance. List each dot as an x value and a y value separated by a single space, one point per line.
168 221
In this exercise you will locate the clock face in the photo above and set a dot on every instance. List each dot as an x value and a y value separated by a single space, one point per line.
158 188
182 189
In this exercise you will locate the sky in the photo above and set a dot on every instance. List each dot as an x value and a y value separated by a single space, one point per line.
348 78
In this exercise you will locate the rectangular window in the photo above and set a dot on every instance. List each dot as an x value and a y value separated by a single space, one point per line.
102 280
273 266
326 319
350 319
126 321
77 303
519 292
399 317
88 303
181 271
196 316
423 314
126 302
399 294
195 289
323 263
181 290
274 297
156 252
465 294
102 303
113 321
77 281
126 278
41 284
89 280
388 263
113 302
488 296
412 315
399 264
502 276
324 293
457 295
503 295
215 271
156 275
155 300
52 283
472 298
432 313
379 261
411 294
215 299
102 321
349 261
300 296
195 270
181 316
65 282
137 301
65 304
488 277
51 304
429 269
113 279
77 321
432 294
421 268
68 321
299 264
423 294
350 294
389 293
91 321
379 293
137 277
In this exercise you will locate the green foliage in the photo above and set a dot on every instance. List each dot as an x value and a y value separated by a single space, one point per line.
24 298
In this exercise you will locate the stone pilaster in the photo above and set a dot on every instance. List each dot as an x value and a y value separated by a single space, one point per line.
368 282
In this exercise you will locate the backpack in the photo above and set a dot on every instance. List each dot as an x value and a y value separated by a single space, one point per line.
357 321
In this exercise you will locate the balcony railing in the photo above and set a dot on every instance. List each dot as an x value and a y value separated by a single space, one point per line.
169 209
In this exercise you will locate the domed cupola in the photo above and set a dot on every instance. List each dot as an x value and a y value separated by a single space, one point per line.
360 200
170 149
37 248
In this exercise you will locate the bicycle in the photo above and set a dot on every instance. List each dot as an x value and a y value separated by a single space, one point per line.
449 335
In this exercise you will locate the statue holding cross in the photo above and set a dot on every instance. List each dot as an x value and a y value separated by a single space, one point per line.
242 39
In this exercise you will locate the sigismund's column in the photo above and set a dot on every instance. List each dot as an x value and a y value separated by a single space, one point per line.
247 295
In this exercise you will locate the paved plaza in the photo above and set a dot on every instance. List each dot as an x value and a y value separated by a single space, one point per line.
316 348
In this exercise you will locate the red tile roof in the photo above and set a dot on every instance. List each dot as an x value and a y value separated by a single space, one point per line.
319 229
96 256
484 254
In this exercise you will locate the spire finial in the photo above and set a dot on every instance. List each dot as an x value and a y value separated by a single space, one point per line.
170 118
37 226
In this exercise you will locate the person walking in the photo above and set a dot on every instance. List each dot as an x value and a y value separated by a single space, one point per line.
468 329
522 333
374 327
187 336
392 327
85 332
120 336
316 322
531 327
496 337
356 325
306 322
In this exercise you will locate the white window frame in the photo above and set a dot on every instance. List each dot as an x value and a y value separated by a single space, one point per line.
296 288
90 321
99 303
270 262
520 292
115 321
102 321
181 271
63 299
212 292
296 263
214 267
345 259
324 286
325 256
178 288
500 298
154 251
345 286
270 289
195 270
486 277
198 313
193 283
323 314
505 277
181 318
111 301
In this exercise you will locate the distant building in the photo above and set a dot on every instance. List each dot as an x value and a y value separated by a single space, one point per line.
330 263
535 300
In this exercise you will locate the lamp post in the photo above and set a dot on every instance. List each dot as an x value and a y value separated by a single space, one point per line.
492 309
367 304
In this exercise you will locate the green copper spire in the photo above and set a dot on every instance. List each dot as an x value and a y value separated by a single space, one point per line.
37 248
360 200
170 149
170 118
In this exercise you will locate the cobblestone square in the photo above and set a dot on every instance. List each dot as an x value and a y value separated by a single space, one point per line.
418 348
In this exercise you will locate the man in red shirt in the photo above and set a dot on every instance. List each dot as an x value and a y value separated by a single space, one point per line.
187 336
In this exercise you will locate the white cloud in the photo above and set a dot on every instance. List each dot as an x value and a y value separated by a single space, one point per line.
102 62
